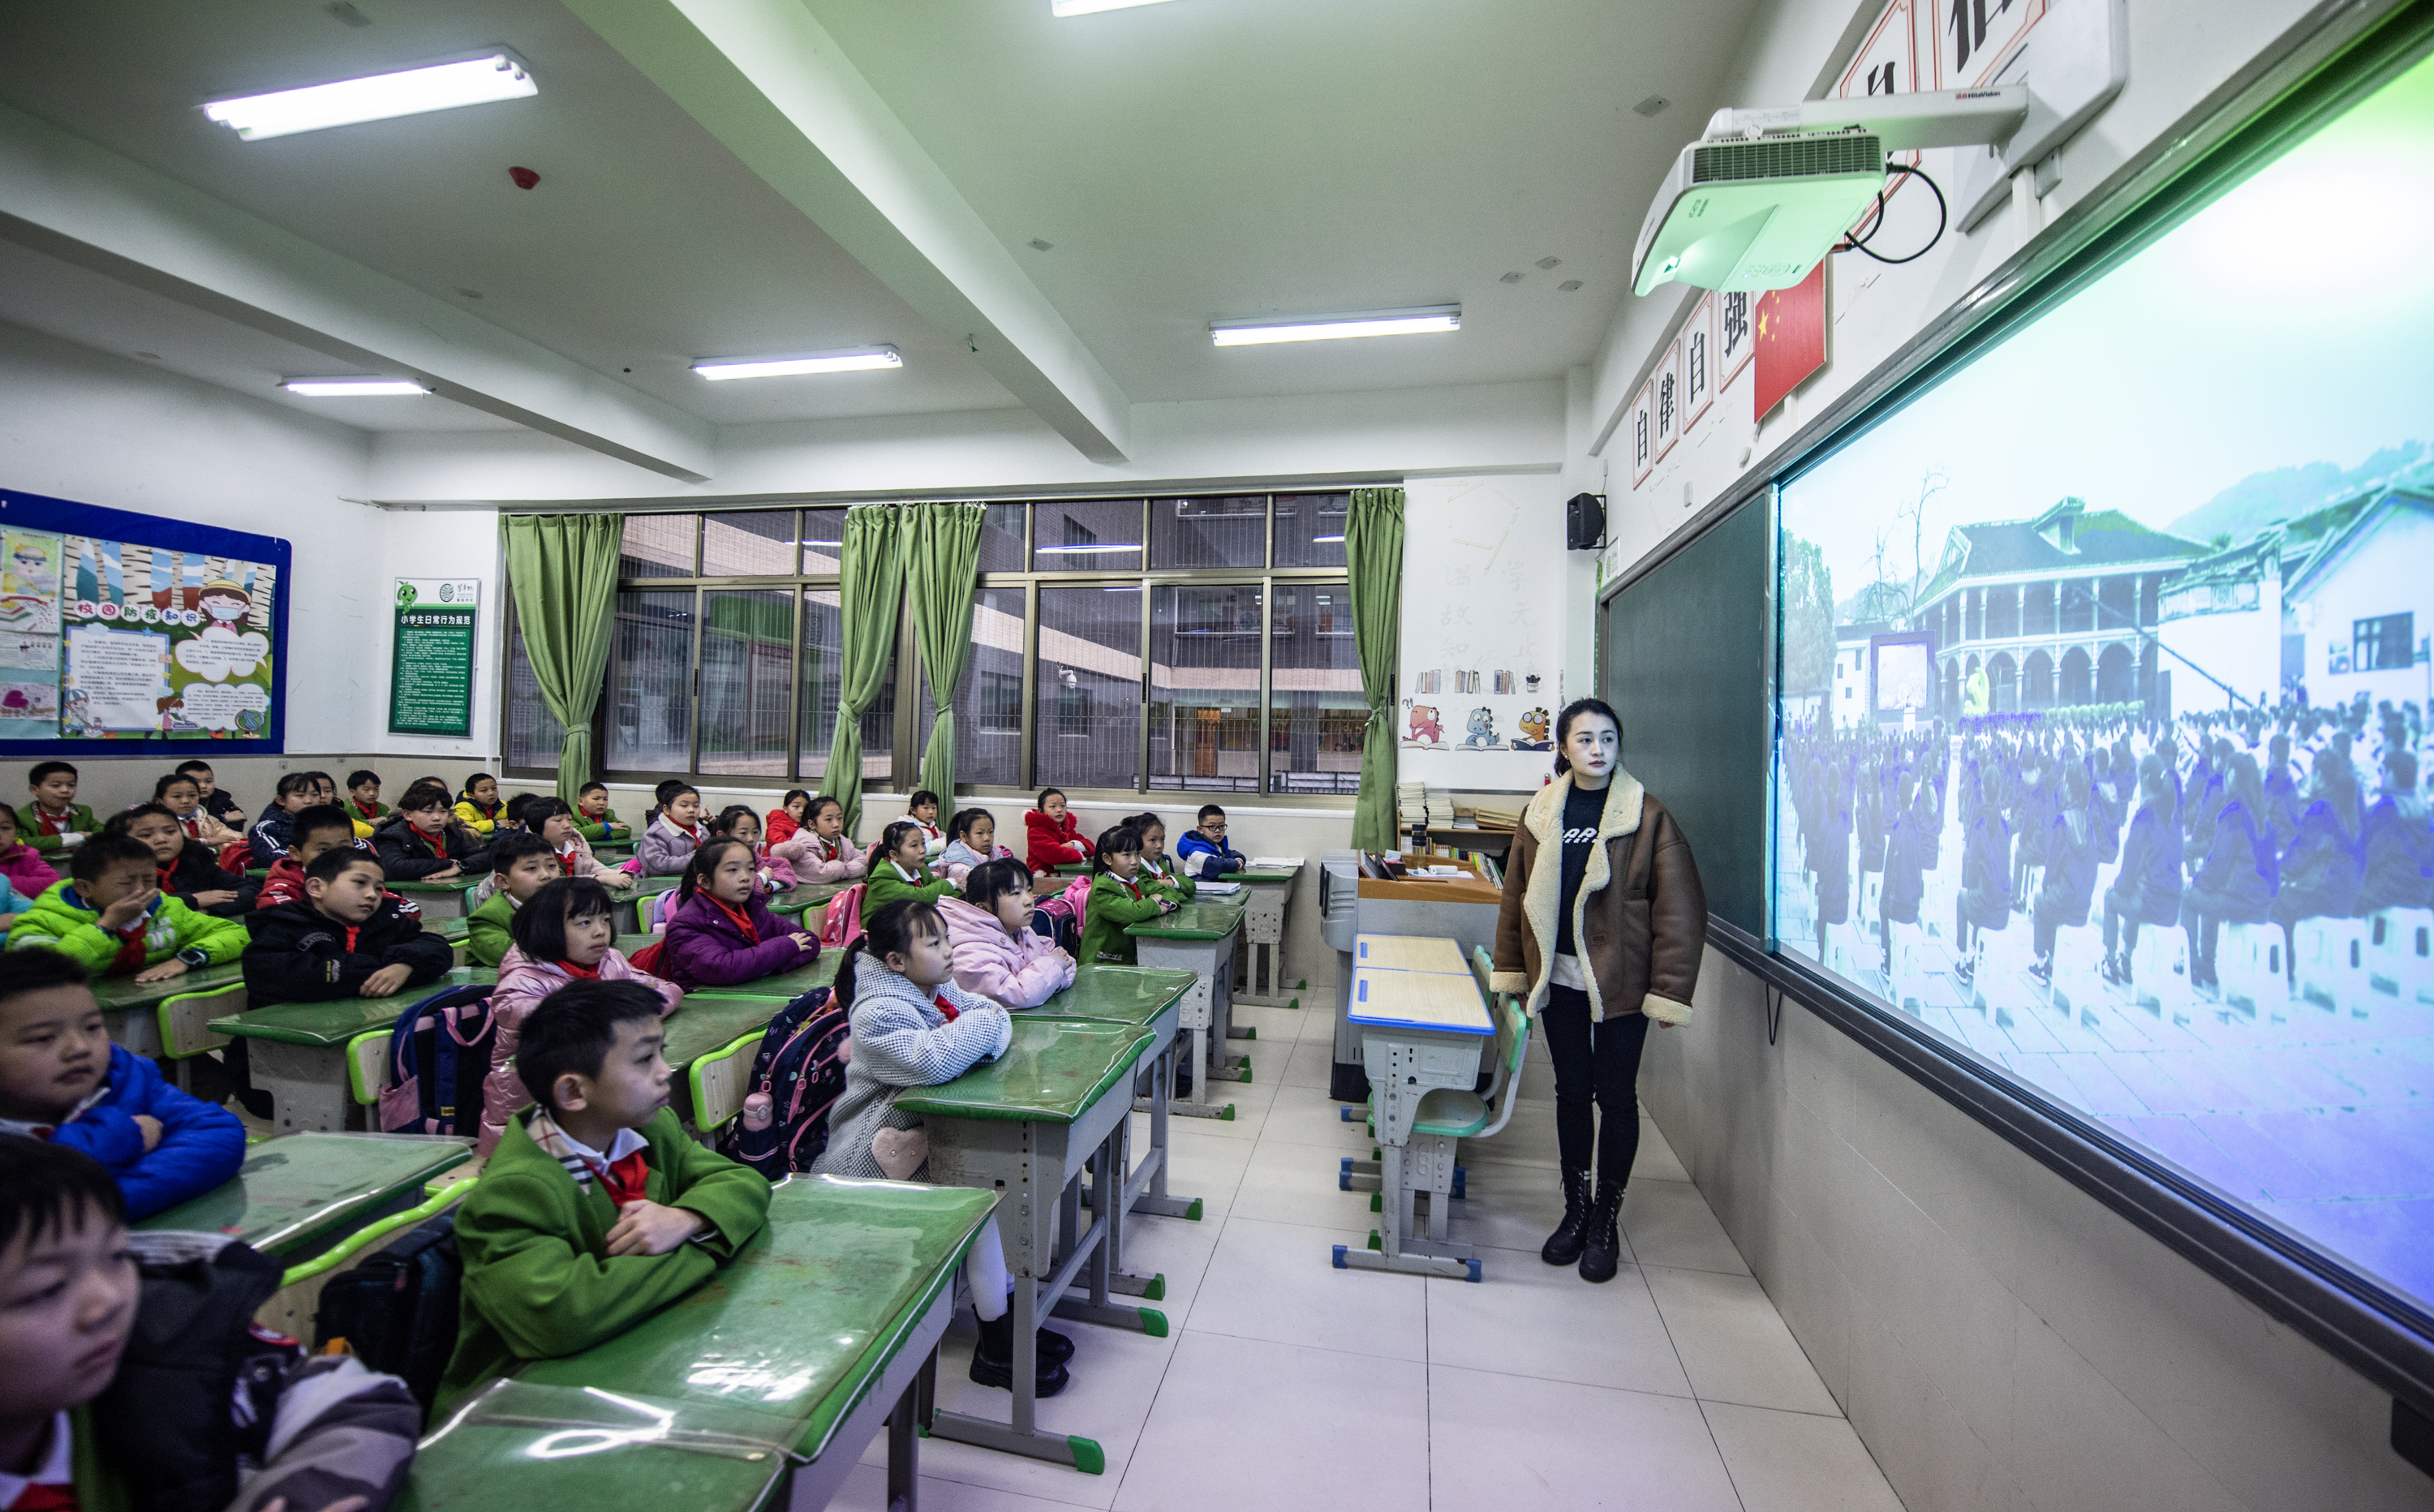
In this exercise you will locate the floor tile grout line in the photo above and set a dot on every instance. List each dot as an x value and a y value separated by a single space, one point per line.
1705 1422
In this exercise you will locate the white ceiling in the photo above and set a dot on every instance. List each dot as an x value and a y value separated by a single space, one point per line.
1187 161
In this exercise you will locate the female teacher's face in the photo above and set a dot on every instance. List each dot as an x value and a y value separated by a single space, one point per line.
1591 746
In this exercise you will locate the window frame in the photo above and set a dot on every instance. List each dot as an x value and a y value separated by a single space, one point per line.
904 773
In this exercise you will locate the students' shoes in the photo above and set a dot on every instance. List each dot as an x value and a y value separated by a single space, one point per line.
2117 970
2041 969
1964 971
1603 1254
993 1360
1564 1246
1055 1348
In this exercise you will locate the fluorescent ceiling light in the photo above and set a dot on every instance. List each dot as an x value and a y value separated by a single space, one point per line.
1084 551
1326 540
351 387
861 358
441 86
1336 328
1085 7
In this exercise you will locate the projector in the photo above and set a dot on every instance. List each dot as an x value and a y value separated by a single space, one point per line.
1759 199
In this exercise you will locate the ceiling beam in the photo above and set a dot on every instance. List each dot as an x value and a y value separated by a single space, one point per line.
766 80
81 203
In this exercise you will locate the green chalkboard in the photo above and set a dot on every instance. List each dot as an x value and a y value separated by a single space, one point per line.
1686 651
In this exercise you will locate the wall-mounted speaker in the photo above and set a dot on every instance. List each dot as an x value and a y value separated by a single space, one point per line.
1584 523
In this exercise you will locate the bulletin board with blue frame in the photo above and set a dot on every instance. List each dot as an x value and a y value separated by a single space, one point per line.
122 633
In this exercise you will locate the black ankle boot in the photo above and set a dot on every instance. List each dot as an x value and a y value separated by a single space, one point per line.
1604 1250
993 1360
1563 1247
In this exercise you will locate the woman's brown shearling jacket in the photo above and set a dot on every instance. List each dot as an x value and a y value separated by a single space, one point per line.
1641 941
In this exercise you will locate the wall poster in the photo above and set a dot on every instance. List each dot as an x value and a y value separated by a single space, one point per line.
431 657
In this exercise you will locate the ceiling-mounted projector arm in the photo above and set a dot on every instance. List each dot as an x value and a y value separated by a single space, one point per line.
1933 118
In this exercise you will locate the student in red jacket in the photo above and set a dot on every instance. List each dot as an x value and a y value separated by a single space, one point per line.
1056 836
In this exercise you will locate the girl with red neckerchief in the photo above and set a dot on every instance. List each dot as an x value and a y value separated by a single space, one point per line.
720 933
1119 898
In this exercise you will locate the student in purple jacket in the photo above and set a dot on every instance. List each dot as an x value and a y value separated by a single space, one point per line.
721 934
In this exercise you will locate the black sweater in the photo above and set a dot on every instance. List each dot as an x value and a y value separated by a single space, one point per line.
405 855
300 954
198 870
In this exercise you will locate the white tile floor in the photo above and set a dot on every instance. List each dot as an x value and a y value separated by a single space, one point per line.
1287 1383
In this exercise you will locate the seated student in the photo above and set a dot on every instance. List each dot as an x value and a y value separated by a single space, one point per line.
13 903
350 937
596 1210
21 863
314 830
522 864
325 786
422 842
971 839
989 937
1158 873
719 933
220 803
478 806
363 809
674 834
562 934
911 1026
61 1079
274 834
547 816
1203 852
738 822
819 852
183 797
189 870
597 820
788 818
1055 835
923 810
194 1407
899 874
1118 899
660 798
52 820
110 916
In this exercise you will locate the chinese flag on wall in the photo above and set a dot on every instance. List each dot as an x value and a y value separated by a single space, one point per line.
1791 338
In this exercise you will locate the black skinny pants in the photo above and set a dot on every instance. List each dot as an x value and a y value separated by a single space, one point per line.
1595 1064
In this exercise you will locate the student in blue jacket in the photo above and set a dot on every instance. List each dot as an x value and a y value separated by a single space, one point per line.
1202 854
61 1079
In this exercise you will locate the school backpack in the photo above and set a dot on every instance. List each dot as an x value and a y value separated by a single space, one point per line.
438 1054
841 925
801 1069
395 1309
1060 917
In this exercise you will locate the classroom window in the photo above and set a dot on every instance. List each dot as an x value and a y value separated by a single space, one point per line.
650 682
1086 535
2383 644
1204 687
988 699
1317 713
816 701
748 543
823 542
1309 529
747 667
1089 687
657 546
1194 533
534 735
1002 537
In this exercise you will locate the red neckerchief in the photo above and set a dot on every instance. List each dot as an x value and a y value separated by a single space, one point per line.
367 810
354 932
738 917
829 852
130 945
194 827
50 823
1128 887
38 1496
566 861
486 810
439 843
941 1004
624 1182
581 973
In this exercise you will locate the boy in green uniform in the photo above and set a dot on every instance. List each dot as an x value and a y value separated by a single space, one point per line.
595 1211
112 917
594 820
522 864
52 821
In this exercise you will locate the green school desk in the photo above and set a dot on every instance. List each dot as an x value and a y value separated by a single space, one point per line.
798 902
1025 1126
299 1193
787 985
823 1328
127 1006
1199 937
1417 1009
1153 1000
298 1051
1267 899
701 1025
439 900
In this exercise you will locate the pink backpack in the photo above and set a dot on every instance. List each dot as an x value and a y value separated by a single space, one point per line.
1073 904
841 925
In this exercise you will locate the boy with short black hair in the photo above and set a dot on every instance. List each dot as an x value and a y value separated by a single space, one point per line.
218 802
112 917
274 833
52 820
522 864
131 1376
596 820
1203 853
422 842
595 1211
347 936
61 1079
363 797
316 830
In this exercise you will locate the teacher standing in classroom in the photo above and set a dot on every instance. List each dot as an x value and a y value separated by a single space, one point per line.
1601 931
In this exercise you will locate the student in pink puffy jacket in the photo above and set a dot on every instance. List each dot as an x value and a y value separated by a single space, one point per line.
818 851
563 934
21 863
989 939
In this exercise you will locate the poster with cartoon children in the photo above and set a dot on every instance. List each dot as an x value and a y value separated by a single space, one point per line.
161 642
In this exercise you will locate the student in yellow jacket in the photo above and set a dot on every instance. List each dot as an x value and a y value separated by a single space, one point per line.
478 807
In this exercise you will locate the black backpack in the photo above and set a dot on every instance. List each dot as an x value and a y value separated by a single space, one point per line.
800 1066
438 1055
164 1424
397 1308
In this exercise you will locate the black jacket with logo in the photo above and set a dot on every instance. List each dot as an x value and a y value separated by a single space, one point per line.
300 954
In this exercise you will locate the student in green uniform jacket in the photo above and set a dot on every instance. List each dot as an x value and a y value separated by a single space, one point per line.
1159 876
595 1211
52 820
901 873
522 864
112 917
1118 899
594 820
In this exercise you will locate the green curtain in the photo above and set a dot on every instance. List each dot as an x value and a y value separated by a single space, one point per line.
1373 547
563 570
870 592
942 565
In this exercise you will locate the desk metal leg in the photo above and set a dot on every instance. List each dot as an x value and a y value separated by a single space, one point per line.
1145 1189
1404 1171
904 1447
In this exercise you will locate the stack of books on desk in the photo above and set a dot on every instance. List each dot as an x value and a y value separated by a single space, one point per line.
1411 807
